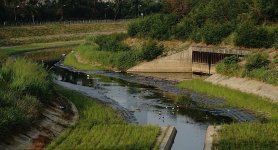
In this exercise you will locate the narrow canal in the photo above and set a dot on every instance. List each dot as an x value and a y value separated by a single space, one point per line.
148 105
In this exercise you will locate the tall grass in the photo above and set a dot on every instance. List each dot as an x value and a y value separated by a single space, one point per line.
100 127
234 98
249 136
24 86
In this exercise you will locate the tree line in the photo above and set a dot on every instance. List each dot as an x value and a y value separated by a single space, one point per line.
60 10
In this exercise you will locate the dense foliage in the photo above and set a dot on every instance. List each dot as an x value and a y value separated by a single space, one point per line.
257 66
213 21
37 10
111 43
158 26
111 52
24 86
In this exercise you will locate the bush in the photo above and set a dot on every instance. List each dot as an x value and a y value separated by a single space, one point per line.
111 42
158 26
214 33
229 66
256 61
184 29
248 35
151 50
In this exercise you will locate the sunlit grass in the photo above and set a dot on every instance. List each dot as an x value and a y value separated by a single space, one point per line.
71 61
249 136
242 136
101 127
234 98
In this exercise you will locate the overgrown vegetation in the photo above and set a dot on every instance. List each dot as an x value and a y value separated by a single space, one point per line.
158 26
258 66
109 51
211 22
101 127
24 86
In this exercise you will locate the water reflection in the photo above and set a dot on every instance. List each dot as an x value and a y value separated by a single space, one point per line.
151 106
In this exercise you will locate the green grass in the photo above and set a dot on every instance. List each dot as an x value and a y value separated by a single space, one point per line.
55 29
30 47
249 136
71 61
234 98
47 55
42 39
100 127
242 136
24 86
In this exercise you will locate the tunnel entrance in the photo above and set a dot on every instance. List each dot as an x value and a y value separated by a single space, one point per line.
204 62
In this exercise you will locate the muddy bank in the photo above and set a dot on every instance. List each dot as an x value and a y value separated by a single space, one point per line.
169 86
53 121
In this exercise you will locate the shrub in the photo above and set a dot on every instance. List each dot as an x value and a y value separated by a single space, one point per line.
256 61
158 26
128 60
229 66
248 35
111 42
133 28
184 29
214 33
151 50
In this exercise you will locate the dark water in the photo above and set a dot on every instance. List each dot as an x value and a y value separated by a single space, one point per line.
151 106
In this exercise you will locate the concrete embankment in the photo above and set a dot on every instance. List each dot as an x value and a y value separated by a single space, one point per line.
53 122
246 85
166 137
211 135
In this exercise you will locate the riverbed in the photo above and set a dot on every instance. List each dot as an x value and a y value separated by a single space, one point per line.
143 103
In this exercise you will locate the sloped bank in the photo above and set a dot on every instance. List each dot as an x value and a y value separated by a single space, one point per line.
53 121
246 85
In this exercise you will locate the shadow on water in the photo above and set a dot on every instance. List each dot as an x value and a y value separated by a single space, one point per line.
150 106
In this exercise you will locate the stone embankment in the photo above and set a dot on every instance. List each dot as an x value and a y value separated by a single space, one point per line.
246 85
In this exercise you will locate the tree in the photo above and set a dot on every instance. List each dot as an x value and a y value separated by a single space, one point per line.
176 7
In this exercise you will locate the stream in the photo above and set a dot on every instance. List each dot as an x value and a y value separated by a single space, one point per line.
144 104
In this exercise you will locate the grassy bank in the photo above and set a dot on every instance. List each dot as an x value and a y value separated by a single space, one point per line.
31 47
112 52
47 55
56 29
100 127
24 87
249 136
242 136
234 98
71 61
